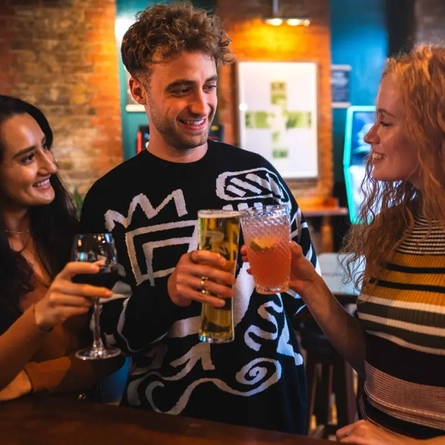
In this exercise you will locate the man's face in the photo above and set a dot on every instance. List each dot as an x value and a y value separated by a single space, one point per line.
180 101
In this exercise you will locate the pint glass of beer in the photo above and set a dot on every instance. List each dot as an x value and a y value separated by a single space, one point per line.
219 231
266 232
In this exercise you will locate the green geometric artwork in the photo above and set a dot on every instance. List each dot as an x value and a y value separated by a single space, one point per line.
279 120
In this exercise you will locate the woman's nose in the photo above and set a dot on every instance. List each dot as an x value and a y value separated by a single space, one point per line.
47 163
371 135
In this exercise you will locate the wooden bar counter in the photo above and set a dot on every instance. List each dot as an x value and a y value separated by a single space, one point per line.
55 420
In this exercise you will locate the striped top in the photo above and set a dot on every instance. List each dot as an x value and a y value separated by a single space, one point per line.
404 320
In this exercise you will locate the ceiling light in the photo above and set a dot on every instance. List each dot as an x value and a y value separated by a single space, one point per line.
277 19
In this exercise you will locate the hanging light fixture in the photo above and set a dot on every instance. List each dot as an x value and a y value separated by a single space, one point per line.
295 20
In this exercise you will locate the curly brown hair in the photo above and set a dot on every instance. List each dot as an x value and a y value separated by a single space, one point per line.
421 77
163 31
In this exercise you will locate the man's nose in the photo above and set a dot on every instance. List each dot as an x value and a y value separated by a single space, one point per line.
199 105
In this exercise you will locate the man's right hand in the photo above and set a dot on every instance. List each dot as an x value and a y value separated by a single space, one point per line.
66 299
198 268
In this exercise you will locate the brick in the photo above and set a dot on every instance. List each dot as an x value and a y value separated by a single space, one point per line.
50 62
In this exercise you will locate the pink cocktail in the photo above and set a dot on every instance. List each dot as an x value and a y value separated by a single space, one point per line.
266 232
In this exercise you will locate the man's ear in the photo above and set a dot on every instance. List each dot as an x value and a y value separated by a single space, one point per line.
137 91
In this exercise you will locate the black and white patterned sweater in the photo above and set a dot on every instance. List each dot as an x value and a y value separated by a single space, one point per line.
150 206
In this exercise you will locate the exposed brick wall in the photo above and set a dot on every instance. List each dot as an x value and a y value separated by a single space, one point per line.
61 55
7 57
429 21
254 40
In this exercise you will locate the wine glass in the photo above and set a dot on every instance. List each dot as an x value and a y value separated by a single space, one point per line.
94 247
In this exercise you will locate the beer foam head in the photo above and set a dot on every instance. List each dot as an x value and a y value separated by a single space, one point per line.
217 213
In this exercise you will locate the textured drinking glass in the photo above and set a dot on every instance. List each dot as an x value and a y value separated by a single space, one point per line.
92 247
266 232
219 231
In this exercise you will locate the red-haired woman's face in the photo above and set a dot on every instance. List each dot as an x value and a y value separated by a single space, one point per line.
27 164
393 157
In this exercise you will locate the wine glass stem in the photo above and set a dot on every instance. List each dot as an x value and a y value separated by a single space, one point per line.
97 341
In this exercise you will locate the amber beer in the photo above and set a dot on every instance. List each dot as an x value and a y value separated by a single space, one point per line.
219 231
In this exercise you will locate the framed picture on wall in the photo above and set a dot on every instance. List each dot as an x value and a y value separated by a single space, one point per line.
278 115
130 104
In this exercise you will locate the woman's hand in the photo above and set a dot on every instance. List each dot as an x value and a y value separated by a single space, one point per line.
366 433
303 275
198 276
243 252
20 386
66 299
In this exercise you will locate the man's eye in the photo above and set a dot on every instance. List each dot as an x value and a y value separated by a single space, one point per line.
181 91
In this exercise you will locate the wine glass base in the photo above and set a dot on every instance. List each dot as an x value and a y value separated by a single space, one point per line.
97 354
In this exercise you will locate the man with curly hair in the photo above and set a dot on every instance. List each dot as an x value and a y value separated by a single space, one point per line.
150 204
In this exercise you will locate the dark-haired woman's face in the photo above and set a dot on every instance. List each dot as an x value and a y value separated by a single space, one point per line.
27 164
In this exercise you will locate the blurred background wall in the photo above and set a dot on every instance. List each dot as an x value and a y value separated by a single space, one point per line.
63 55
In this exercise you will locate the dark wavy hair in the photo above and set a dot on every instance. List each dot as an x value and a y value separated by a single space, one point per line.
52 227
167 30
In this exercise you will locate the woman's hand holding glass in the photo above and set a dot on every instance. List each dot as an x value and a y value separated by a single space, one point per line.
93 248
66 299
303 276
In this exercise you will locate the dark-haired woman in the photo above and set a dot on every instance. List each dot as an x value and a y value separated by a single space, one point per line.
43 314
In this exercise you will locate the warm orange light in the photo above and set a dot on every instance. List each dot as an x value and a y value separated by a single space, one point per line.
294 22
277 21
298 22
274 21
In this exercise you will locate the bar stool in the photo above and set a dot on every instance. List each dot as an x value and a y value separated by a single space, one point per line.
327 372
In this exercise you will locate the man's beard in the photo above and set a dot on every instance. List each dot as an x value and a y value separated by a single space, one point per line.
171 134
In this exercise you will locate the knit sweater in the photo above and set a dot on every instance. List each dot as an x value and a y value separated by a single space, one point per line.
150 206
404 319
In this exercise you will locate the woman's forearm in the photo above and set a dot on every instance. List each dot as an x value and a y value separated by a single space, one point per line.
341 328
68 374
18 345
20 386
